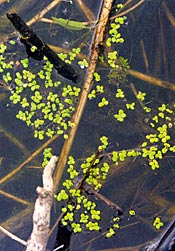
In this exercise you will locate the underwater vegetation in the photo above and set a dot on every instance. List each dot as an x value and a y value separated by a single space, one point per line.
47 103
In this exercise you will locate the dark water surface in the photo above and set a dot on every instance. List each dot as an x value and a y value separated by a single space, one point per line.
133 185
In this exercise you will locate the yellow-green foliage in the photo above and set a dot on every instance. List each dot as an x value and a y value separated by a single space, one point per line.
44 104
83 212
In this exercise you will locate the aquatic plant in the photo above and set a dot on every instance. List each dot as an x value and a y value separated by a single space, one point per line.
158 223
47 104
81 211
43 106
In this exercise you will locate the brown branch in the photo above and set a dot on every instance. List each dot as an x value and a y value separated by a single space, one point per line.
93 59
87 12
145 58
108 202
15 198
152 80
79 184
43 12
128 10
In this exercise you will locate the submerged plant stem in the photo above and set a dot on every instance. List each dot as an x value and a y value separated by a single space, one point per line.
151 80
30 158
15 198
87 12
128 10
98 39
43 12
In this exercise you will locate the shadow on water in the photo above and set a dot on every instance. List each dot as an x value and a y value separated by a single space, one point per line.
132 184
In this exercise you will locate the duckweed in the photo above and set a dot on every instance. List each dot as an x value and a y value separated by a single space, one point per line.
44 105
114 34
120 116
103 102
47 105
158 223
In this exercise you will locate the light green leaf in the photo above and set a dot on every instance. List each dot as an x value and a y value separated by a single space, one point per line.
70 24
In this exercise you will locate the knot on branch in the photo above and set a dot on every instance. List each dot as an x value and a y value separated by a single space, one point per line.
43 193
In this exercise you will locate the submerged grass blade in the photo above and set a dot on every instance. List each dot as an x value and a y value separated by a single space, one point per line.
71 24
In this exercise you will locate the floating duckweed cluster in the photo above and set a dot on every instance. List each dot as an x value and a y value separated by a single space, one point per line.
158 223
44 104
114 34
160 139
83 63
93 94
120 116
71 56
81 211
47 154
156 144
120 156
47 106
5 67
115 225
103 102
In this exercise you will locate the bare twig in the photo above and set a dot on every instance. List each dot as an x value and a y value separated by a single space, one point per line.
110 203
79 184
145 58
132 86
152 80
43 12
12 236
56 223
30 158
87 12
41 216
128 10
15 198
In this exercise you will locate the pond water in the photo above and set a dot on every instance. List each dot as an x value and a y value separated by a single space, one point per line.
149 34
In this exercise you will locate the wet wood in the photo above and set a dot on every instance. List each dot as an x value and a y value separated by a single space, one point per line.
135 6
87 12
30 38
88 82
108 202
15 198
43 12
152 80
41 216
